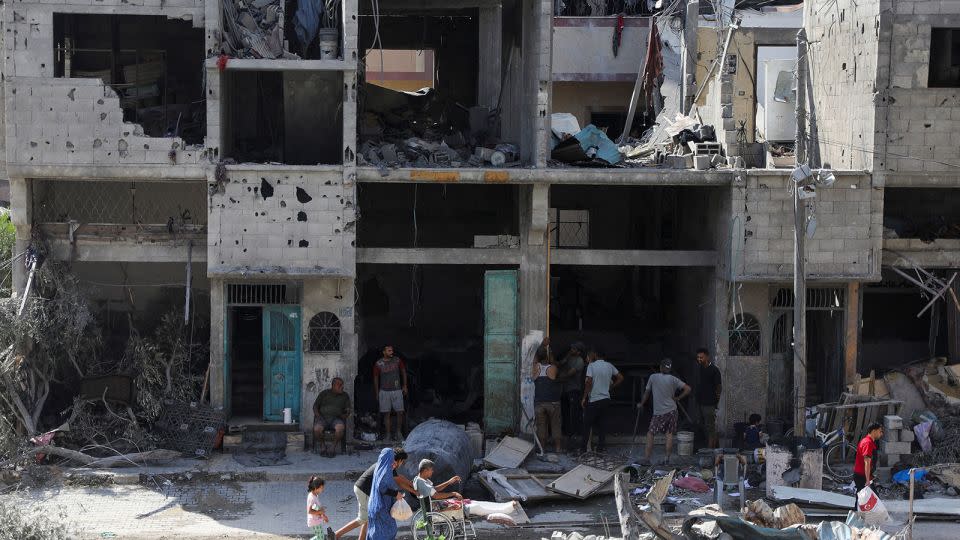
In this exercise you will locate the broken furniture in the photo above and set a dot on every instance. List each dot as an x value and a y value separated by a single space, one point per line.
190 428
730 472
593 472
927 281
510 453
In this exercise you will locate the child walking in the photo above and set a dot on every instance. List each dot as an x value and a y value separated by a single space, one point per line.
316 513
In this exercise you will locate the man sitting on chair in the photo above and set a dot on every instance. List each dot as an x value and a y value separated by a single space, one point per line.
330 412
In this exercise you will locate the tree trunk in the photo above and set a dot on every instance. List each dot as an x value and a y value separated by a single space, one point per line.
126 460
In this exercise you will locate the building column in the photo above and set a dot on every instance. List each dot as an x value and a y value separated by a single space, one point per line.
534 274
689 53
21 215
218 374
491 52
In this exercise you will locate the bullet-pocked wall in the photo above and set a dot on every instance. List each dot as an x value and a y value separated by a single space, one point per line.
297 220
81 115
845 61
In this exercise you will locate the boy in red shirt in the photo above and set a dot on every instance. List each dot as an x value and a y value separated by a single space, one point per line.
864 464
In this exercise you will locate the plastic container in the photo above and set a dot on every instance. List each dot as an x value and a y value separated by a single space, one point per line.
685 443
328 40
287 415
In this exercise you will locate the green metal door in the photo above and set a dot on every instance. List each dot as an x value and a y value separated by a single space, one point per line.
281 361
501 350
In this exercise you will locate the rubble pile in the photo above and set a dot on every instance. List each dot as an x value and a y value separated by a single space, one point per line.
421 129
254 29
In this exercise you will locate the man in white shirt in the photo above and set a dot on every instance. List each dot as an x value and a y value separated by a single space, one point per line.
602 376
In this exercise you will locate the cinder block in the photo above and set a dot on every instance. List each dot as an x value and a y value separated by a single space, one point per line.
892 422
906 435
890 448
892 436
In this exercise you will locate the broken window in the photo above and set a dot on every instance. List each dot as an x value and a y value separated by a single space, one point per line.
569 228
276 116
324 332
744 335
154 64
944 58
404 70
923 213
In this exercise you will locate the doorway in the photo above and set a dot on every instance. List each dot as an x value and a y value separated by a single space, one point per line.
263 351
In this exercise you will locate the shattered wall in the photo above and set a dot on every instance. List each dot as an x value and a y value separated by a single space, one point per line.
844 60
845 245
71 121
294 220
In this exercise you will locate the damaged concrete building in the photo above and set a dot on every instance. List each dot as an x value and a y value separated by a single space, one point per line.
240 150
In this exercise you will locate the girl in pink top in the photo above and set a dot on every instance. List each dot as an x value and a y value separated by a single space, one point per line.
316 513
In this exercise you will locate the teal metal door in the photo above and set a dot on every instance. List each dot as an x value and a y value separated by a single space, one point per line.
501 350
281 361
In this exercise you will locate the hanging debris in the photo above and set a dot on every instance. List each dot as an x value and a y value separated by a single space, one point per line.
254 29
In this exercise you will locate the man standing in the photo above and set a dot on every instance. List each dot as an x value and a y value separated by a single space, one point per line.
865 463
330 411
390 383
546 396
708 395
601 377
662 388
571 375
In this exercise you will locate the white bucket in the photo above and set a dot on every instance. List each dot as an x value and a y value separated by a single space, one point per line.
684 443
328 40
287 415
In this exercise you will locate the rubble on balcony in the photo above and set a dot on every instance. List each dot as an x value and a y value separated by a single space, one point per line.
423 129
254 29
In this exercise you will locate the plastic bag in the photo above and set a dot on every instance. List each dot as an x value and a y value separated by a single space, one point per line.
401 511
871 508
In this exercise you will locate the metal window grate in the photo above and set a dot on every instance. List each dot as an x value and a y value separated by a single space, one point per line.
744 336
324 332
569 228
283 333
782 340
261 293
146 203
818 298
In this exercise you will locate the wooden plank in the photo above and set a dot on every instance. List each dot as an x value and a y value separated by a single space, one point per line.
852 342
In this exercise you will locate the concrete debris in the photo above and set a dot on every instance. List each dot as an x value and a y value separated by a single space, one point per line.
254 29
422 129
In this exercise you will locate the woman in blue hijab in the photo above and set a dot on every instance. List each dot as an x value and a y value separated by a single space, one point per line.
383 493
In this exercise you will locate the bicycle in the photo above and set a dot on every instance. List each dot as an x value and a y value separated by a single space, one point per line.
838 453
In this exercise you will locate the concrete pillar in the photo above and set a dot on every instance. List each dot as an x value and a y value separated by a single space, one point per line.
689 53
537 24
218 386
491 53
534 220
21 214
